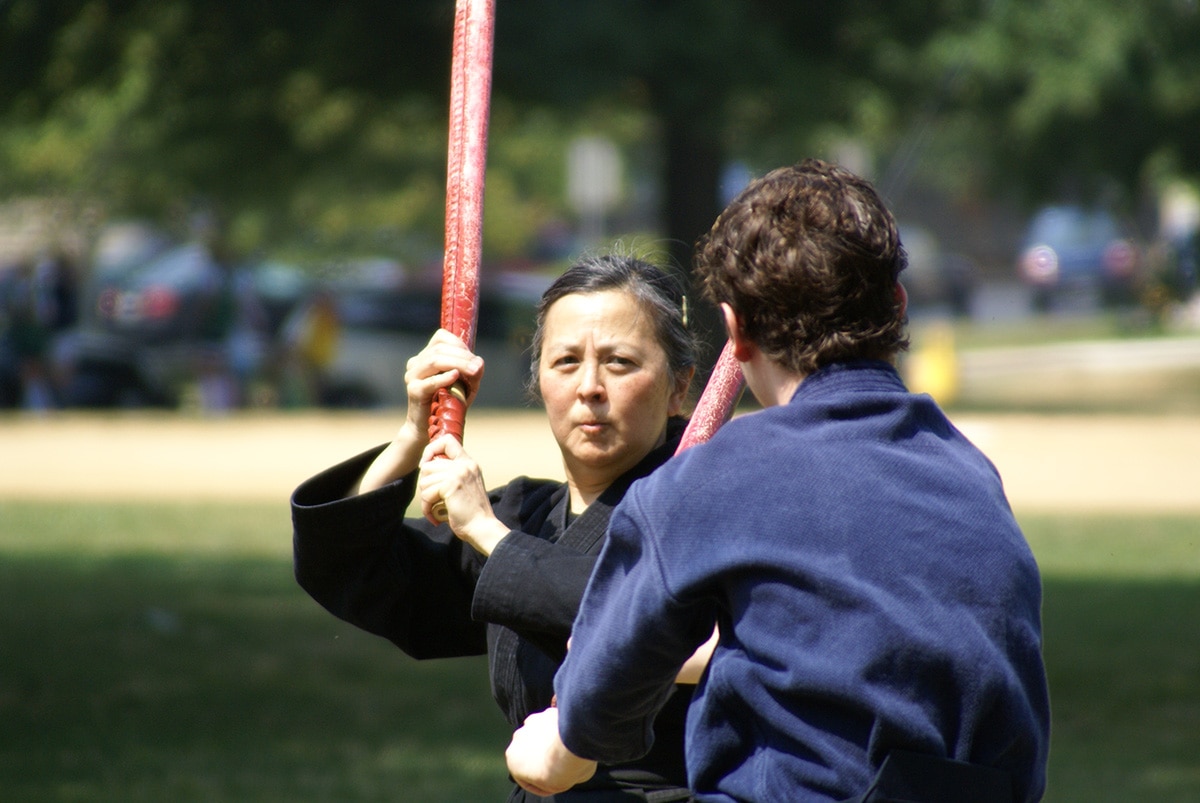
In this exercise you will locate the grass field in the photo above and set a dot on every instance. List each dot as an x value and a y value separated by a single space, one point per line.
162 652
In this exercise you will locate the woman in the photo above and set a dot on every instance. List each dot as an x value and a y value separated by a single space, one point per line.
612 362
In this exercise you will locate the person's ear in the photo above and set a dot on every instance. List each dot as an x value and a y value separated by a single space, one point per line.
683 380
743 347
901 298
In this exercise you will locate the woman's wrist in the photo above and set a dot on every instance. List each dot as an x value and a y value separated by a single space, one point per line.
398 458
484 534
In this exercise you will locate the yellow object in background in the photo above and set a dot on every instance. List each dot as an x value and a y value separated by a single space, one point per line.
932 365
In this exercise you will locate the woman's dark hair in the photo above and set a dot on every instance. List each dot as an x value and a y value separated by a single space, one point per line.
659 293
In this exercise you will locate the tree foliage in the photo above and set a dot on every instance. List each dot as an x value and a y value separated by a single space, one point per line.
277 112
324 122
1068 97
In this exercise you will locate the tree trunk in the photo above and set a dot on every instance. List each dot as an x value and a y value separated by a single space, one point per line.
691 204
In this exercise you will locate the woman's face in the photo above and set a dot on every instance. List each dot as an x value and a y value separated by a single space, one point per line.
606 384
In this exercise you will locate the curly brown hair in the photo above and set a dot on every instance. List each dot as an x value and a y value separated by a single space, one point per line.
808 257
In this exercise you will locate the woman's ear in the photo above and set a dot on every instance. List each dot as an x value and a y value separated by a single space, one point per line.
683 381
901 298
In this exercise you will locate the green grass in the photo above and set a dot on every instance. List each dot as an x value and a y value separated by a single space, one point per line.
1052 328
1122 644
164 653
1047 329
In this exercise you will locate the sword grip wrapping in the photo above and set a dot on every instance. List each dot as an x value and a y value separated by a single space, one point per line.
447 415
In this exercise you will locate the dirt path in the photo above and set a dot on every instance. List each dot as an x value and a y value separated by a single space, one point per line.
1093 463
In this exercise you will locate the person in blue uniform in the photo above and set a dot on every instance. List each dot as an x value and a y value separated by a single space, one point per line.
879 609
612 362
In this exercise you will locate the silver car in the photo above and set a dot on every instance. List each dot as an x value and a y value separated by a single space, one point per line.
381 327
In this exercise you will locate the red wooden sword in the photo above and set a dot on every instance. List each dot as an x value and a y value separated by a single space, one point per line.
466 159
720 396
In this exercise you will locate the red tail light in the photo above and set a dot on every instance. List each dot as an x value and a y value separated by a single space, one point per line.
1039 265
1120 259
106 303
159 302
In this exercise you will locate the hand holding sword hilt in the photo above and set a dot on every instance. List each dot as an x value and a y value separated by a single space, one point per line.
447 417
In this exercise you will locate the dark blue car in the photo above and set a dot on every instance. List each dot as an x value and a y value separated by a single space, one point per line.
1070 249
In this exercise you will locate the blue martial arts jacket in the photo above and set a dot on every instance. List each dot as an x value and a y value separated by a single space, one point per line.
872 587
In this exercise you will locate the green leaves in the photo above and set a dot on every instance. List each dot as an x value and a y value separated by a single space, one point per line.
325 121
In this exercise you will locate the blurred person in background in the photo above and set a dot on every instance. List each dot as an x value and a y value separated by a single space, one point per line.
612 362
247 340
310 344
27 335
57 280
10 372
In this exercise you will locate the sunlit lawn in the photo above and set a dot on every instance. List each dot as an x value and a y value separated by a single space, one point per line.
164 653
1053 328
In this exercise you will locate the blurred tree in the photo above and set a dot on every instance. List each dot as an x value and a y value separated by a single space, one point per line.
327 120
766 81
1067 97
278 113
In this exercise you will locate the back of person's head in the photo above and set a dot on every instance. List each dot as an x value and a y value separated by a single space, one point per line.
658 292
808 256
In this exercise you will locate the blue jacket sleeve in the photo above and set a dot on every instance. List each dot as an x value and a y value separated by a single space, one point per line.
629 640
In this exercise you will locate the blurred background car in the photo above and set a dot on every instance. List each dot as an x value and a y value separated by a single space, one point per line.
1074 250
936 279
384 320
156 324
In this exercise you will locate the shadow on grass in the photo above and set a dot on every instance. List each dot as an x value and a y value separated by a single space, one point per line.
152 679
1123 658
145 657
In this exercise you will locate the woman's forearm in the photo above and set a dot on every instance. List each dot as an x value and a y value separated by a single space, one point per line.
399 458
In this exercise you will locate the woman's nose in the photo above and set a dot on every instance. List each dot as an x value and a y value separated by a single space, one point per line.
591 384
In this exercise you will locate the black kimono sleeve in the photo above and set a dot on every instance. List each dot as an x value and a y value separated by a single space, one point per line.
533 586
365 564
